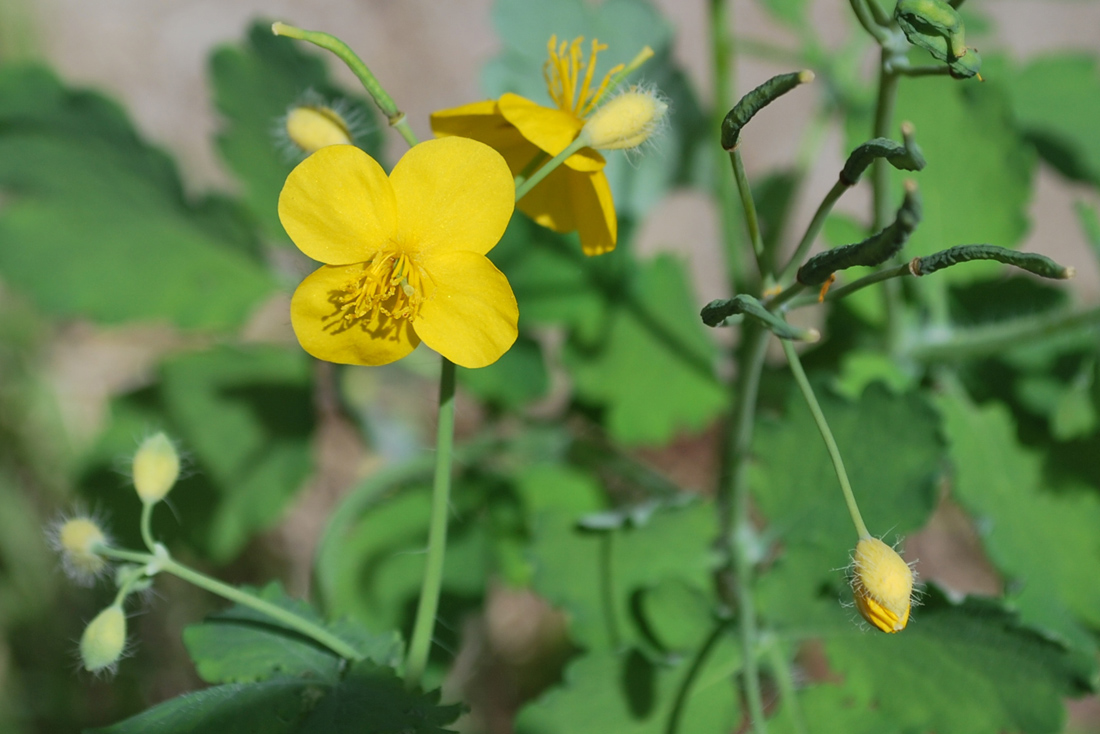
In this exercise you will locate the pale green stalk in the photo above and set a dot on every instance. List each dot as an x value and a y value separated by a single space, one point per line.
984 341
523 187
161 561
826 435
147 525
421 641
381 98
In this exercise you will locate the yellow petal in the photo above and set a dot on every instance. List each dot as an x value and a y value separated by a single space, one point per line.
452 194
568 200
471 315
550 129
338 206
318 323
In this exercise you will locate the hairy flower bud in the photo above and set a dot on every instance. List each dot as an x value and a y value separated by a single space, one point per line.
104 640
882 584
156 468
76 540
314 127
626 121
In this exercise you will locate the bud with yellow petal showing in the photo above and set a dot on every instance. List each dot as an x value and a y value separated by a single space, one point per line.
104 640
311 127
882 584
76 539
626 121
155 469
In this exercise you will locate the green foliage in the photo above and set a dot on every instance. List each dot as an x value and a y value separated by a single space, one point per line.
97 223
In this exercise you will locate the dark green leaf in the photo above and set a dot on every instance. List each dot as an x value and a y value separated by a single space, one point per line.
653 367
242 645
254 85
957 667
1043 541
97 223
370 700
515 379
1057 101
248 416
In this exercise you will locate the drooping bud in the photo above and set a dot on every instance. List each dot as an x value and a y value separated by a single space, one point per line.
627 120
882 584
104 640
156 467
76 539
312 127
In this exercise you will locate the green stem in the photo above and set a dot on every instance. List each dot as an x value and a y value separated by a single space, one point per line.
781 667
826 435
983 341
342 51
880 187
421 641
722 65
522 188
156 562
867 20
540 158
147 525
692 675
813 230
835 294
734 505
751 221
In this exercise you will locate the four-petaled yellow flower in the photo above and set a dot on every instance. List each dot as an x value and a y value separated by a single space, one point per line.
576 196
404 255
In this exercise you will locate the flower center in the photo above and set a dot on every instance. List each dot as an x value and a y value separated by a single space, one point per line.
563 73
390 285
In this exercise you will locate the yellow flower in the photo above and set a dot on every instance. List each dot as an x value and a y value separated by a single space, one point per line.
404 255
882 584
576 195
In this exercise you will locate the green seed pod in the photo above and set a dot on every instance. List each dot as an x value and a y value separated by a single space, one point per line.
907 157
1029 261
104 640
715 312
757 99
966 66
934 26
874 250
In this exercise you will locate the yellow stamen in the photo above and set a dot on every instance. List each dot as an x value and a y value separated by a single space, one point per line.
562 75
391 285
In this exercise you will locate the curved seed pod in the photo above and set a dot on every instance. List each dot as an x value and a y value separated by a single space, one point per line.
755 100
715 312
874 250
1029 261
966 66
907 157
934 26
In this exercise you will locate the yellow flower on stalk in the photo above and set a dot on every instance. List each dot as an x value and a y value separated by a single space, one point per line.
576 196
404 255
882 584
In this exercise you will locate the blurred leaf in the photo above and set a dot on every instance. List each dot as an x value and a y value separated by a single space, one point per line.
97 223
626 693
1057 102
977 184
893 454
1013 678
1044 542
254 85
514 380
369 700
793 13
248 416
241 645
593 575
653 366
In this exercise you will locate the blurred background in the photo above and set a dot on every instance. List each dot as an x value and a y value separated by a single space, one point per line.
153 58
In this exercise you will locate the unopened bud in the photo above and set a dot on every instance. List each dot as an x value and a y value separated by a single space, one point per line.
104 640
882 584
314 127
626 121
156 468
76 539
